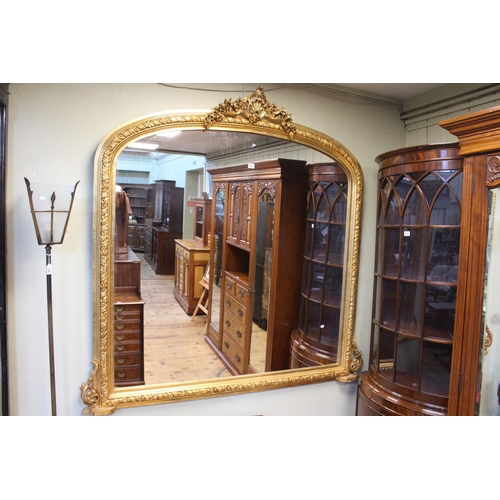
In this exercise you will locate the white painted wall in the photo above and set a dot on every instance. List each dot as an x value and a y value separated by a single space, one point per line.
54 130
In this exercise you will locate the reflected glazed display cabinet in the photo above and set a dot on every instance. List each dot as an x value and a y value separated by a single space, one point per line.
315 342
261 248
416 279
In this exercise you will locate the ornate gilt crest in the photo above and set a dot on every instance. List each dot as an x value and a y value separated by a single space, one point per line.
254 108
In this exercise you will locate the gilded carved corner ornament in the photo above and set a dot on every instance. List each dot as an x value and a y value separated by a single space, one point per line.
89 395
94 402
255 109
488 340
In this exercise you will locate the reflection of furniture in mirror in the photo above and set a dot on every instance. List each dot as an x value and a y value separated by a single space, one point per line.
141 198
128 321
127 270
315 342
203 300
416 275
202 218
191 259
165 228
264 216
217 239
128 314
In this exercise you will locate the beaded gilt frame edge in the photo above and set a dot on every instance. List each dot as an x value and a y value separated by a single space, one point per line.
254 114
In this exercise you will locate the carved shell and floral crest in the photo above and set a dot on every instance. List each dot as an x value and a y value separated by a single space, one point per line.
254 108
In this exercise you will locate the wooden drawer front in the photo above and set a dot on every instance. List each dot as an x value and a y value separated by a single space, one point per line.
127 360
127 347
233 353
234 329
129 314
126 326
124 376
128 336
133 310
238 310
236 290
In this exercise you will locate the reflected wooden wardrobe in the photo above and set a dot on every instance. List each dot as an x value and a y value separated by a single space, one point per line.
257 261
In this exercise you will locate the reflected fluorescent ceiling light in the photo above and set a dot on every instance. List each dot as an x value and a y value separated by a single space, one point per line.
170 133
144 145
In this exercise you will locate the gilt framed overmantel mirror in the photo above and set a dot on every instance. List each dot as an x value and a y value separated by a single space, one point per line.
249 138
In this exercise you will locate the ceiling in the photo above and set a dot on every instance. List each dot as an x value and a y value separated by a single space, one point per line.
207 142
394 90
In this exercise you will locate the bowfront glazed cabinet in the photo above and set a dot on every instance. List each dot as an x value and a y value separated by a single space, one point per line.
315 342
416 277
431 327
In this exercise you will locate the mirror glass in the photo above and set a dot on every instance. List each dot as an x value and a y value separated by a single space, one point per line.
262 273
209 139
139 171
219 197
488 399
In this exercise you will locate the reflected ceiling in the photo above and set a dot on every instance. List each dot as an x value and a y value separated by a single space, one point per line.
205 143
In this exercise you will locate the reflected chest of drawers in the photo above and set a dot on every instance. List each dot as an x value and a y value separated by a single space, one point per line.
128 342
237 322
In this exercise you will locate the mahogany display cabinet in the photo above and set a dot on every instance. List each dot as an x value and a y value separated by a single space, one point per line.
429 332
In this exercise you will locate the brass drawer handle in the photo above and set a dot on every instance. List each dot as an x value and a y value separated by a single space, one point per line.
121 360
240 313
121 375
239 334
237 358
241 293
119 318
119 327
229 285
120 347
228 303
228 323
119 309
120 337
227 345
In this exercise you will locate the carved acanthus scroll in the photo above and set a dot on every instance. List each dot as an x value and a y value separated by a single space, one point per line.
493 175
254 108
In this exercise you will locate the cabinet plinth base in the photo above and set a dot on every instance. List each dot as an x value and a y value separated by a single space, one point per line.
374 399
304 354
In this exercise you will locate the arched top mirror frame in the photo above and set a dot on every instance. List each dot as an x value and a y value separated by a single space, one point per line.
252 114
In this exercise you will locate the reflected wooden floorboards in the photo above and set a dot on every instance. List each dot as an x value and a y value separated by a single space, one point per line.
174 347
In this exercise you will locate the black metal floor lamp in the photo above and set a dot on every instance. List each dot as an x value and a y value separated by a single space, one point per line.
50 228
